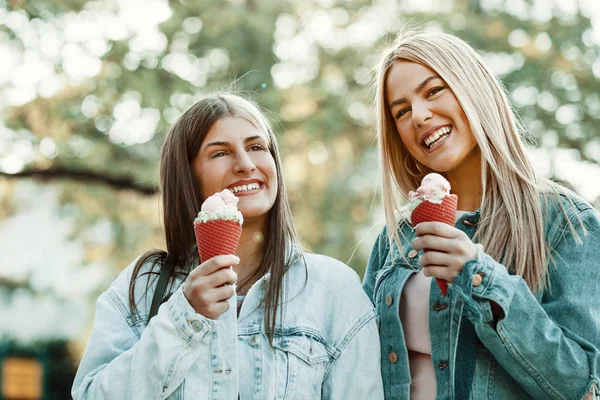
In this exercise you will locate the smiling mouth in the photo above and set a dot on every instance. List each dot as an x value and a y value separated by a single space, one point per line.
241 189
437 137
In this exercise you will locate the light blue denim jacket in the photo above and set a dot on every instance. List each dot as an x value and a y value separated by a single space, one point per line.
326 345
545 347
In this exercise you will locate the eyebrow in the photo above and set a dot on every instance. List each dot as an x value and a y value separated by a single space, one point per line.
417 90
221 143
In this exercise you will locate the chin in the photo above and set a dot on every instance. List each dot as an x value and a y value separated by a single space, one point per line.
253 212
443 165
440 168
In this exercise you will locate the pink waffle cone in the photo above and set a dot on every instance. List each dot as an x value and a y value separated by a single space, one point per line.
217 238
432 212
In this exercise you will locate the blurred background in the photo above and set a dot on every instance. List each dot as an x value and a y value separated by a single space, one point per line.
88 90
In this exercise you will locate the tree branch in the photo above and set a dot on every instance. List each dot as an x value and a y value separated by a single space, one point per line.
12 284
84 176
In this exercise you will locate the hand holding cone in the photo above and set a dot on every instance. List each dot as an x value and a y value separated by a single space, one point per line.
434 211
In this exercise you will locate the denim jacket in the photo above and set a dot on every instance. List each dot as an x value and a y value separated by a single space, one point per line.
545 346
326 344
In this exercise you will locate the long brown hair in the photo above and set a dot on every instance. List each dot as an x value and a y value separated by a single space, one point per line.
181 201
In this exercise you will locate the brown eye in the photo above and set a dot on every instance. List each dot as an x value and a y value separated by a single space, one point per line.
435 90
257 147
402 112
218 154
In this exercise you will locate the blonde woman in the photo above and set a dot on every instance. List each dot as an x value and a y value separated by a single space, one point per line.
522 316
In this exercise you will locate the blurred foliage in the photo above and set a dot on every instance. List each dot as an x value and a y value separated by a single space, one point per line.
310 64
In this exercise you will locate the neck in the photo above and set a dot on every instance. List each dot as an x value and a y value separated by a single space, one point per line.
250 250
465 181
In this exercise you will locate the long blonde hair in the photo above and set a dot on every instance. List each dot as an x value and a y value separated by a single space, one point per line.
511 227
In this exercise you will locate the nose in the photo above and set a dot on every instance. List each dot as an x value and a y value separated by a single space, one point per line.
420 114
244 165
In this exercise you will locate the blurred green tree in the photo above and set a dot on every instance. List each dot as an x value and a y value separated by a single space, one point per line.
309 64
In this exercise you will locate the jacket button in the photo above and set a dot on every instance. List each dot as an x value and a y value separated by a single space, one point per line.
477 279
468 223
412 253
393 357
389 300
439 307
443 365
196 325
255 340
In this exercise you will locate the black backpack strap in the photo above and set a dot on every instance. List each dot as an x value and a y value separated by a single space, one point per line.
161 286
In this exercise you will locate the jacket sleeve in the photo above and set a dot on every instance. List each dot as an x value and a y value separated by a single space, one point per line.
119 365
550 347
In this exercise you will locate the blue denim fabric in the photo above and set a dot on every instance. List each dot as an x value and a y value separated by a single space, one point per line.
545 346
327 328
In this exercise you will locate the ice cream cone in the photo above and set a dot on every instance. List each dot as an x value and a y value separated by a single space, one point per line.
217 237
445 212
432 212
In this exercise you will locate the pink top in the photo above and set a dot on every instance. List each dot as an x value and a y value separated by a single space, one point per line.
414 314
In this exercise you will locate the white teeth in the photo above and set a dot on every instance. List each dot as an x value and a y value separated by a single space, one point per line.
245 188
436 135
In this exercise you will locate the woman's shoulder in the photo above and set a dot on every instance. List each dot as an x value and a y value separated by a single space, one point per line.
327 270
563 205
564 211
334 294
314 273
146 277
315 260
564 199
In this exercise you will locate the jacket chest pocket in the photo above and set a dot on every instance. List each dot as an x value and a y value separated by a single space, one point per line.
301 363
396 270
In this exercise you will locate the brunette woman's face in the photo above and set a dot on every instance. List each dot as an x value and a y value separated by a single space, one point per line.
235 156
429 118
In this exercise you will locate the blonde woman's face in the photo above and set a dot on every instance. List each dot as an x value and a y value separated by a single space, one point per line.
235 156
428 117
